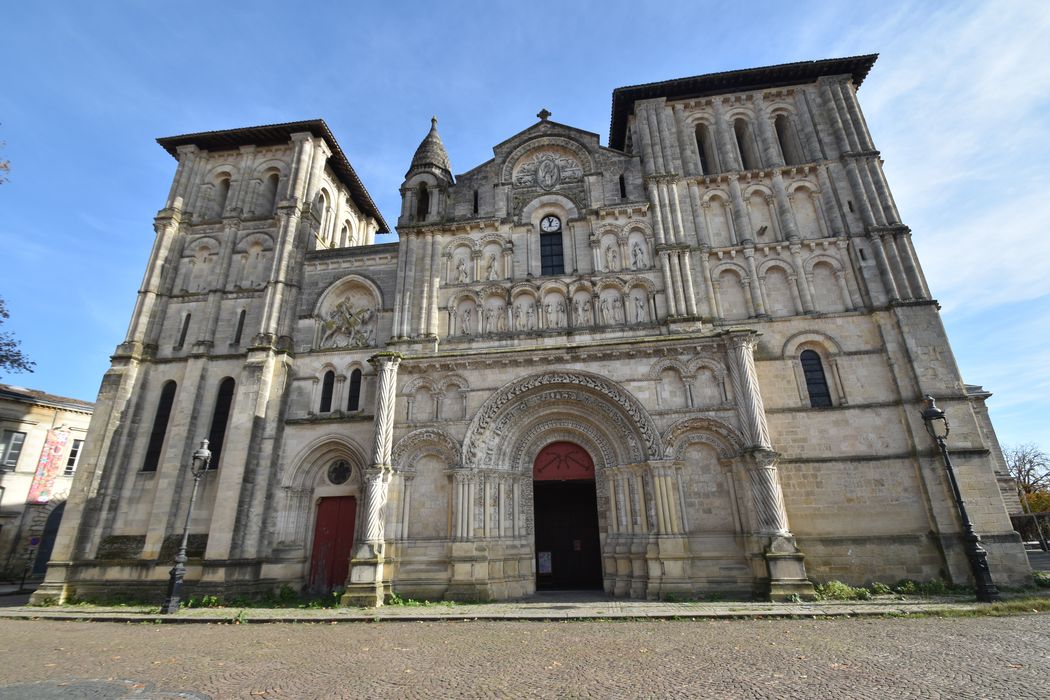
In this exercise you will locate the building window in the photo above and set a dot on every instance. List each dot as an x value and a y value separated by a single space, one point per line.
353 403
74 457
183 332
475 201
270 194
219 418
623 187
10 447
240 327
222 192
551 259
327 389
160 427
786 137
422 202
705 148
816 381
745 144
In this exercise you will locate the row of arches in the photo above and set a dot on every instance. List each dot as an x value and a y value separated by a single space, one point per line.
763 217
777 290
777 142
256 195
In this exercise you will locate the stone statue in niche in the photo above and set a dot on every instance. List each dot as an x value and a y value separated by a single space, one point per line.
561 314
618 310
461 272
519 318
587 315
530 316
611 259
637 256
548 315
603 312
640 313
348 326
491 268
501 318
577 311
465 321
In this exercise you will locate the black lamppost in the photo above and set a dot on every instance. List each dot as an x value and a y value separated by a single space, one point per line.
937 426
201 459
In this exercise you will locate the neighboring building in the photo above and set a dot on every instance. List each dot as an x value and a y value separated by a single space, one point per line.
41 441
692 360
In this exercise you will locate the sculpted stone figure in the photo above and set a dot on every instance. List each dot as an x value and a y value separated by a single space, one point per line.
519 318
466 321
561 314
603 312
639 310
530 314
617 310
611 259
548 311
577 312
356 325
587 314
461 271
490 321
637 256
501 318
491 268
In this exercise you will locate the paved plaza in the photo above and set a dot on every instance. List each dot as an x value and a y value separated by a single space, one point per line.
802 658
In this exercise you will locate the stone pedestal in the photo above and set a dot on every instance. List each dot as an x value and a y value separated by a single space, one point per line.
369 584
787 571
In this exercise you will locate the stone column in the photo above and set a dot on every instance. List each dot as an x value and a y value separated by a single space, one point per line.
884 268
687 143
712 299
426 291
756 291
369 581
678 282
687 279
786 570
803 279
669 291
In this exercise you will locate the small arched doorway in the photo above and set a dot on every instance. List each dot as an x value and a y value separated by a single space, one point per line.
333 532
47 540
565 506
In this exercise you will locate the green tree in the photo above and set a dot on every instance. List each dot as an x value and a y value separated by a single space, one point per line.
12 358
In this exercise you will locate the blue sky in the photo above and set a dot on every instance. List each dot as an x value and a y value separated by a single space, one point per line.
958 104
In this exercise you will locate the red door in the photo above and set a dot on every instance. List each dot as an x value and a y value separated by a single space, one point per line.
333 539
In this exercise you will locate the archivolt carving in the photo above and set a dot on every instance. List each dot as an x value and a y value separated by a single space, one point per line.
549 142
458 241
665 362
488 423
423 441
724 438
564 430
786 266
416 384
318 455
792 344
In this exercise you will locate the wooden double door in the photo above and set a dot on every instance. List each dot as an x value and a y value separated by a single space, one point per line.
333 542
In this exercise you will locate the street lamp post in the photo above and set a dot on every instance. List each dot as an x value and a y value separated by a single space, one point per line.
201 459
937 426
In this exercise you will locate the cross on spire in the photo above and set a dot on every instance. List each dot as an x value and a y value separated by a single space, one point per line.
543 114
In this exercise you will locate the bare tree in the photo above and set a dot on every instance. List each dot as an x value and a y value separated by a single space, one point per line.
1030 468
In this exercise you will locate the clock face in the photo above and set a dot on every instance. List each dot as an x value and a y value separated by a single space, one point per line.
550 224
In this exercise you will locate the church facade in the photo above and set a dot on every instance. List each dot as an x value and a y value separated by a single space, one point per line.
689 361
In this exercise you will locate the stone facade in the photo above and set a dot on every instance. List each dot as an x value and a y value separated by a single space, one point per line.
41 441
722 308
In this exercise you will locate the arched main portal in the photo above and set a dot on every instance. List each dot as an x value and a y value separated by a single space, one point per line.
565 508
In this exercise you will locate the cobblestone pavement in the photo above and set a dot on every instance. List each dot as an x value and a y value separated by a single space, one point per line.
823 658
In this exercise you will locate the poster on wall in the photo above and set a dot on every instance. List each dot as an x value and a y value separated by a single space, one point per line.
47 467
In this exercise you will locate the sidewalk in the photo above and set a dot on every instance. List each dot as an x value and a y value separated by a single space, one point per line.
547 606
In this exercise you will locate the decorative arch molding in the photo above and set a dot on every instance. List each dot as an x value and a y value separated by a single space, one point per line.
418 383
809 264
726 440
316 456
270 165
423 442
580 285
497 238
758 187
610 283
786 265
642 227
668 363
214 173
193 246
796 343
461 241
344 283
455 379
720 195
417 178
695 119
709 363
553 286
812 187
254 237
530 210
598 396
640 281
608 227
535 144
738 269
564 430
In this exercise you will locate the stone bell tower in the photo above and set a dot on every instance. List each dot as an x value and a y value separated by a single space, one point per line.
425 192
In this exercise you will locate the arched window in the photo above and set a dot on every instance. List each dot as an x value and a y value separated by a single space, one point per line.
745 144
327 388
623 187
422 202
270 193
816 381
353 403
160 427
184 331
786 137
222 192
552 260
240 327
705 148
324 216
219 418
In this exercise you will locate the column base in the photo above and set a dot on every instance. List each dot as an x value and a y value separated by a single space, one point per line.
787 571
368 585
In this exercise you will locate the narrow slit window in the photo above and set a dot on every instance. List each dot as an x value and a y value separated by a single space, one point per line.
353 402
816 380
623 187
184 331
219 418
160 427
475 201
240 327
705 149
745 145
422 202
327 389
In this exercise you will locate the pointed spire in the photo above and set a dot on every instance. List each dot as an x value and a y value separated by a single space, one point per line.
431 153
